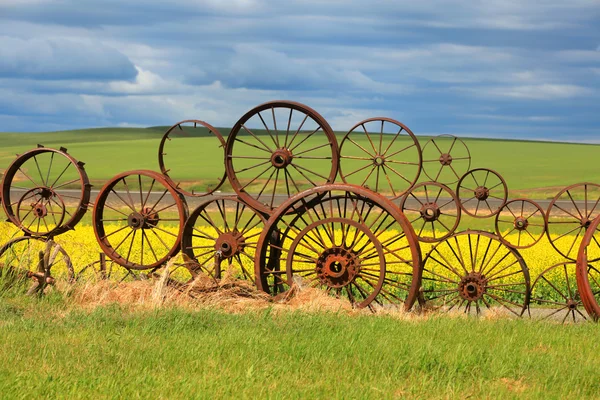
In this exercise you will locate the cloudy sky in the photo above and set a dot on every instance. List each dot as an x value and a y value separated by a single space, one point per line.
497 68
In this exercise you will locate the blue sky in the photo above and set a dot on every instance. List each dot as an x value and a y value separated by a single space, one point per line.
499 68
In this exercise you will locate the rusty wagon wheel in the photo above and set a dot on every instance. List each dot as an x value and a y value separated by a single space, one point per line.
342 238
445 159
222 234
40 260
432 205
588 269
179 142
554 295
138 219
474 271
381 154
279 148
45 192
524 218
569 216
478 188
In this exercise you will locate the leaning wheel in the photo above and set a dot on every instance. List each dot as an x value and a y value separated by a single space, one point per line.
588 269
520 223
41 260
45 192
344 239
381 154
554 295
221 234
433 209
482 193
138 219
473 271
279 148
445 159
569 216
179 151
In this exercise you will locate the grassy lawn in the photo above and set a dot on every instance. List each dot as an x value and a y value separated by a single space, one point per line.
53 350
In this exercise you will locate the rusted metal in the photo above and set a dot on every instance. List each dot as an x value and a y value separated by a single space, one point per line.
473 271
45 192
588 270
521 223
390 164
433 209
445 159
138 219
482 193
346 239
186 129
295 150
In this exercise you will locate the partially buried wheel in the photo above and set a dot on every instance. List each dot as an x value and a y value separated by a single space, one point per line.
520 223
344 239
482 193
279 148
381 154
138 219
45 192
445 159
588 270
474 272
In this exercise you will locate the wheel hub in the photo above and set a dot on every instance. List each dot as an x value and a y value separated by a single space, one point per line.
445 159
147 219
378 160
230 244
39 210
430 212
281 158
482 193
472 286
521 223
337 267
571 304
586 222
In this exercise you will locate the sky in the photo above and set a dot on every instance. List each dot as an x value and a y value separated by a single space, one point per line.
496 68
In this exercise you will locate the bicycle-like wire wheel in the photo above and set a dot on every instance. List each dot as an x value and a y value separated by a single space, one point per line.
181 147
474 272
45 192
344 239
520 223
279 149
445 159
138 219
588 270
433 209
221 236
482 193
569 216
381 154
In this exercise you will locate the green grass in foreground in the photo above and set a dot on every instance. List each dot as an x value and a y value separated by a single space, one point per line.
49 351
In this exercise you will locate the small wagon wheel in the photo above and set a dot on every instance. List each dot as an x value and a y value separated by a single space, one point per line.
47 186
569 216
523 218
445 159
279 148
179 142
222 234
473 271
39 259
381 154
482 193
588 269
554 295
342 238
138 219
432 205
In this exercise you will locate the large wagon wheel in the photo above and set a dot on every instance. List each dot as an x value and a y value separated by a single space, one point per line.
381 154
523 218
431 205
39 259
569 216
45 192
482 193
588 269
222 234
344 239
138 219
554 295
445 159
280 147
474 271
181 152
